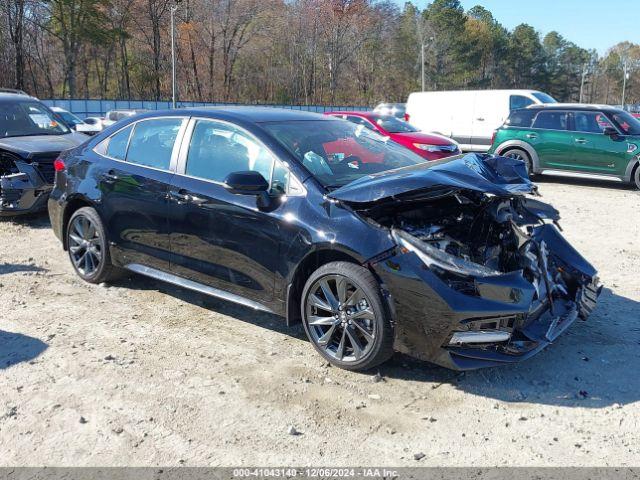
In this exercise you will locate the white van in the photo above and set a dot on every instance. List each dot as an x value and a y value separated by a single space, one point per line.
468 116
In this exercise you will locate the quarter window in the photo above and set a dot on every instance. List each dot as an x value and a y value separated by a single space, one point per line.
116 145
551 121
152 142
218 149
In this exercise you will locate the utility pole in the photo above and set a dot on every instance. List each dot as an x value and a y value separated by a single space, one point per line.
624 81
422 64
174 8
584 75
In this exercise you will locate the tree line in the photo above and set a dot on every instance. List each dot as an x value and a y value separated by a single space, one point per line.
293 52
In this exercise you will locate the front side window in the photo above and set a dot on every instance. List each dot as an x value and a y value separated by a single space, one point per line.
591 122
152 142
28 118
218 149
337 153
551 121
544 98
518 101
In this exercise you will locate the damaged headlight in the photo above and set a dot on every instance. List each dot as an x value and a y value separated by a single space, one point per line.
434 257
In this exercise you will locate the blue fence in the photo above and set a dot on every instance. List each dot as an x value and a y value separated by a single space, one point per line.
97 108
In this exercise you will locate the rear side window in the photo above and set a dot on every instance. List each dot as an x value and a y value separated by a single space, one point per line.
521 118
518 101
551 121
116 146
152 141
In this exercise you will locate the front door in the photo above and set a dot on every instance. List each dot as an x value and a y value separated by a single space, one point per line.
595 152
136 170
220 239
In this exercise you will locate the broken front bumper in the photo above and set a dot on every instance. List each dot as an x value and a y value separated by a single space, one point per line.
502 319
23 192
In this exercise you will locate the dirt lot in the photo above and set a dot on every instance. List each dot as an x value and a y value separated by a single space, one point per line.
141 373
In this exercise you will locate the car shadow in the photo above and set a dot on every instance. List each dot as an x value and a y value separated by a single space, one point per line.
583 182
592 365
6 268
30 220
224 307
16 348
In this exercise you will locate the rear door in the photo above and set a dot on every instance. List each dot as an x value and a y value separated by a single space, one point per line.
595 152
489 114
220 239
135 172
551 139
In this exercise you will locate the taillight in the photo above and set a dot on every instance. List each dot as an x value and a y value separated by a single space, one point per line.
58 165
406 117
493 137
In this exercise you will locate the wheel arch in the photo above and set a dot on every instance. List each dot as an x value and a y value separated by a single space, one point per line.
523 146
631 168
309 264
71 206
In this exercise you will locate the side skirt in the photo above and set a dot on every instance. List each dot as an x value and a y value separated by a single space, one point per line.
198 287
592 176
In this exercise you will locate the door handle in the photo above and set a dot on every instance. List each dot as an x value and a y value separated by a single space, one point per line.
181 196
110 177
531 136
480 119
581 141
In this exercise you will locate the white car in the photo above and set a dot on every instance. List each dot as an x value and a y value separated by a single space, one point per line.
76 123
114 116
469 116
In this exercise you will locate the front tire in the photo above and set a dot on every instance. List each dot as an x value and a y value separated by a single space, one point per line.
345 316
519 154
88 248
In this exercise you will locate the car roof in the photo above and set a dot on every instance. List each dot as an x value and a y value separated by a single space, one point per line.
252 114
572 106
9 97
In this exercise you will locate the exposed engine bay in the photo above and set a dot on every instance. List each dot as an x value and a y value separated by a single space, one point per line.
24 183
472 234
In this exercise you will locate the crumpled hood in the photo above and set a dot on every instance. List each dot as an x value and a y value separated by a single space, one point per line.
483 173
26 146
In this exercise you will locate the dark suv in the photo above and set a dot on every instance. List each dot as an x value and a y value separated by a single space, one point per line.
590 141
31 138
447 260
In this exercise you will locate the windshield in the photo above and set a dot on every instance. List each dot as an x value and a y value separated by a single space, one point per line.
393 125
70 118
544 98
28 119
629 124
337 153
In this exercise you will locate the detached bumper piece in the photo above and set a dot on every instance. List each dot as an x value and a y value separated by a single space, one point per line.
26 190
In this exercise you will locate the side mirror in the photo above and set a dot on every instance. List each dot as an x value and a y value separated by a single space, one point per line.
246 183
610 132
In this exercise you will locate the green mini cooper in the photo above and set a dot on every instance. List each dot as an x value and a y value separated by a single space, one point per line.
589 141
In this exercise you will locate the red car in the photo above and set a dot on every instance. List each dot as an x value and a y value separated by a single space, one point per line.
428 145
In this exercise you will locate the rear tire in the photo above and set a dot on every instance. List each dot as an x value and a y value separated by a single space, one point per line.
88 247
345 316
520 154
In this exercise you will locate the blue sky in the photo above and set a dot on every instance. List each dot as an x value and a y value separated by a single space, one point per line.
598 24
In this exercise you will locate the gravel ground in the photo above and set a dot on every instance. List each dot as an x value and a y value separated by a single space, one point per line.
141 373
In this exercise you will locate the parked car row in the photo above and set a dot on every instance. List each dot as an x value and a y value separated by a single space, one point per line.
336 221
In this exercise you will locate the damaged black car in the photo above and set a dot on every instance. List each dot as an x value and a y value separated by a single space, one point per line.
31 138
322 221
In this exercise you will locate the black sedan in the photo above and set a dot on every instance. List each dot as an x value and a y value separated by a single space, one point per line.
31 138
320 220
